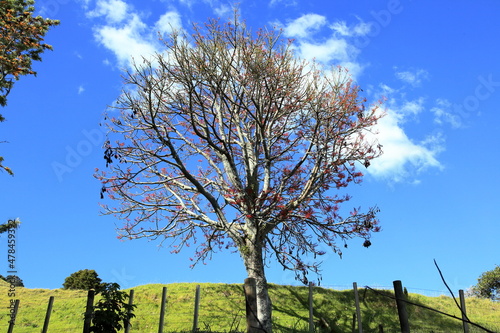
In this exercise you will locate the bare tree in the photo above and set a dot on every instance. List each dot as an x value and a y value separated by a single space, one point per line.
228 140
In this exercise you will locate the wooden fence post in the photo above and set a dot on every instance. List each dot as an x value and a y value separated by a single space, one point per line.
401 304
358 309
464 311
88 311
47 315
162 309
196 308
311 309
13 314
130 303
253 324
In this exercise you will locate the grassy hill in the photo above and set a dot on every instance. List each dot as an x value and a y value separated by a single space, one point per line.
222 309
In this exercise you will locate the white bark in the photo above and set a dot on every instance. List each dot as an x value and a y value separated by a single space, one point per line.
254 264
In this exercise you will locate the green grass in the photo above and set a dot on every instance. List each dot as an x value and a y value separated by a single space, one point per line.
222 309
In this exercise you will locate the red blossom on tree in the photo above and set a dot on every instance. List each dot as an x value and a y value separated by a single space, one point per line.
227 140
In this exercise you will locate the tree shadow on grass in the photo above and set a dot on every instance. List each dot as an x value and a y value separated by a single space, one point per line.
333 311
378 308
291 310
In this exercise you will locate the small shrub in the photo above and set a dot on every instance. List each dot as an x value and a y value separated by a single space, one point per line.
13 280
488 285
112 310
84 279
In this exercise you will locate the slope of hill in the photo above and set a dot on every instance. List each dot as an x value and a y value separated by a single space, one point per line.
222 309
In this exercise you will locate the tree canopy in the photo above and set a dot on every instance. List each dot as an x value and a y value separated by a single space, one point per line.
13 280
11 224
84 279
228 140
21 43
488 285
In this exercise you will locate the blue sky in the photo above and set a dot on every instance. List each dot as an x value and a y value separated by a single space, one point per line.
437 183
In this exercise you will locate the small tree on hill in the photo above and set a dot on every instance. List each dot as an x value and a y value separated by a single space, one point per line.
488 285
112 312
226 140
84 279
13 280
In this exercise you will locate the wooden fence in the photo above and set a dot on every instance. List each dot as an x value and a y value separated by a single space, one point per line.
253 325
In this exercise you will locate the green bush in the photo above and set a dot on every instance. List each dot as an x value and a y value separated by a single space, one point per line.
13 280
84 279
112 312
488 285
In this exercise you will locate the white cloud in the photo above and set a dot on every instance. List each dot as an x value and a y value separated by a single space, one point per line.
168 22
123 31
188 3
285 3
359 29
442 114
413 78
130 41
223 10
402 158
114 11
305 26
332 49
81 89
412 108
336 49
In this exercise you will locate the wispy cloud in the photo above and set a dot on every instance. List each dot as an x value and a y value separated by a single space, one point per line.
336 49
444 114
223 10
359 29
285 3
412 77
412 108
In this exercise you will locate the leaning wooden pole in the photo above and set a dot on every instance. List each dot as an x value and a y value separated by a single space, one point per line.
47 315
401 304
162 310
13 314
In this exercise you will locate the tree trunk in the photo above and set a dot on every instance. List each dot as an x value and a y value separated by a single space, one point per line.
254 264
